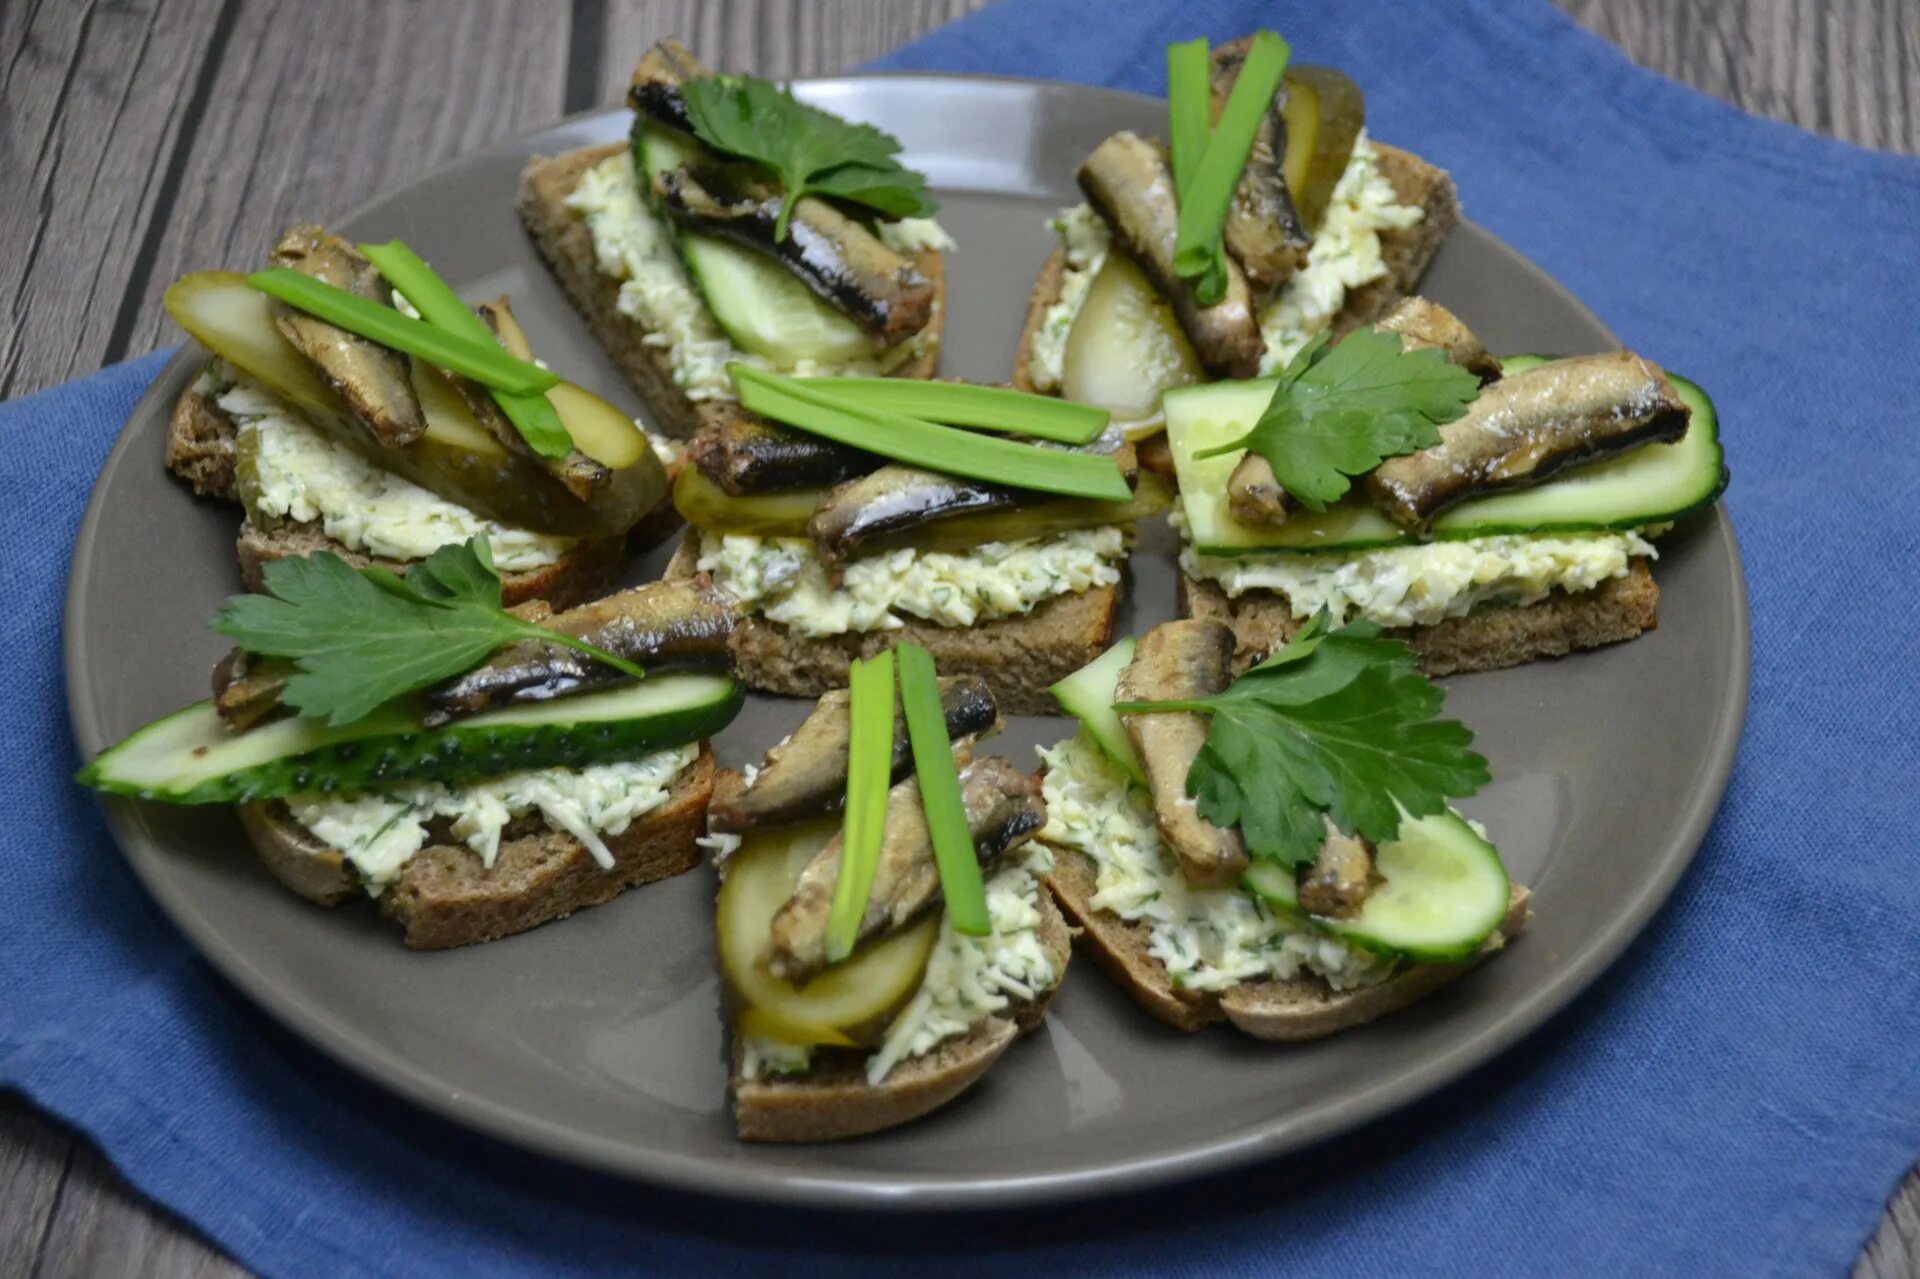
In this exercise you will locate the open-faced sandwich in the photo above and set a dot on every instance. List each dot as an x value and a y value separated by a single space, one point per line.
1002 556
739 224
883 933
1488 512
354 404
476 771
1275 850
1268 217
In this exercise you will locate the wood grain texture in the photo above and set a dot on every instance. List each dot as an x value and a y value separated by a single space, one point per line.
143 138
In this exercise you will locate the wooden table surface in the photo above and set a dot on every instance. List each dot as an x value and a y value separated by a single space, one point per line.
143 138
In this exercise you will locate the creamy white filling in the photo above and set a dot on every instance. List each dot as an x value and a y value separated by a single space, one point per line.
971 978
1421 585
1086 240
1345 255
634 245
379 831
1208 938
784 579
296 472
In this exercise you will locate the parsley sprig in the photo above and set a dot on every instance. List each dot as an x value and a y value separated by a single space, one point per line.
810 151
1341 410
1335 724
359 638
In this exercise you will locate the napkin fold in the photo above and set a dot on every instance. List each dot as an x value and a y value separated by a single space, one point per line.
1739 1095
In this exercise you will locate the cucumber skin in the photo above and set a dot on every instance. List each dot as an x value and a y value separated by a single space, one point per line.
449 755
1689 390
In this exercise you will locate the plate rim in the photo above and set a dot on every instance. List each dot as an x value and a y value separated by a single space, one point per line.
1269 1139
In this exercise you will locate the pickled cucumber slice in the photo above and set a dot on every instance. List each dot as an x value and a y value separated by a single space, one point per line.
190 757
1125 347
848 1003
1324 113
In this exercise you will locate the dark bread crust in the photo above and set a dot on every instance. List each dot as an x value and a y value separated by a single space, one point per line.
1404 252
445 897
1302 1008
1018 657
565 244
1490 637
833 1100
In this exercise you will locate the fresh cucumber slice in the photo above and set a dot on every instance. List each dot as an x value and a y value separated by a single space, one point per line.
1125 347
1088 694
1443 892
763 307
1650 485
191 758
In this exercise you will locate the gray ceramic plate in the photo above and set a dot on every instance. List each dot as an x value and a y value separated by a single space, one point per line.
597 1039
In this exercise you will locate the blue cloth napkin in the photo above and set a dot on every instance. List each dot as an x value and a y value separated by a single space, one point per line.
1738 1097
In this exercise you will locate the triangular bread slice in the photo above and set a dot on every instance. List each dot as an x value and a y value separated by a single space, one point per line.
1018 657
563 240
833 1100
1303 1008
445 896
200 438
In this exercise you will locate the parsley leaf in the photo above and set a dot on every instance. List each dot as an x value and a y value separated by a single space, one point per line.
359 638
811 151
1340 411
1336 724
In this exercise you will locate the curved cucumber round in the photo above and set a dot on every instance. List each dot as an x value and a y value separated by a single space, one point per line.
1444 892
763 307
1088 694
191 758
1650 485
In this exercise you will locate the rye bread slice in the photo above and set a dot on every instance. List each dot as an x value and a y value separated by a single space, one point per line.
1018 657
1491 637
1301 1008
1405 253
446 897
833 1100
200 439
562 238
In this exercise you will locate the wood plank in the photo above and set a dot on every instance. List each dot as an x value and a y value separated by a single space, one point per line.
105 1230
94 99
308 119
1849 69
33 1162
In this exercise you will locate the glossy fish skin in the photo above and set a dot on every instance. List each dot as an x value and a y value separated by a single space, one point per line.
1003 809
1423 323
579 473
1530 426
844 264
1337 883
898 498
665 625
745 454
375 382
655 90
1263 232
806 775
1127 181
246 689
1255 497
1178 661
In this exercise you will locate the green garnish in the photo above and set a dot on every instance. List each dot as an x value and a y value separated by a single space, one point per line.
921 443
1337 724
1189 103
1341 410
359 638
984 408
953 849
869 769
484 362
1199 256
537 421
810 151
